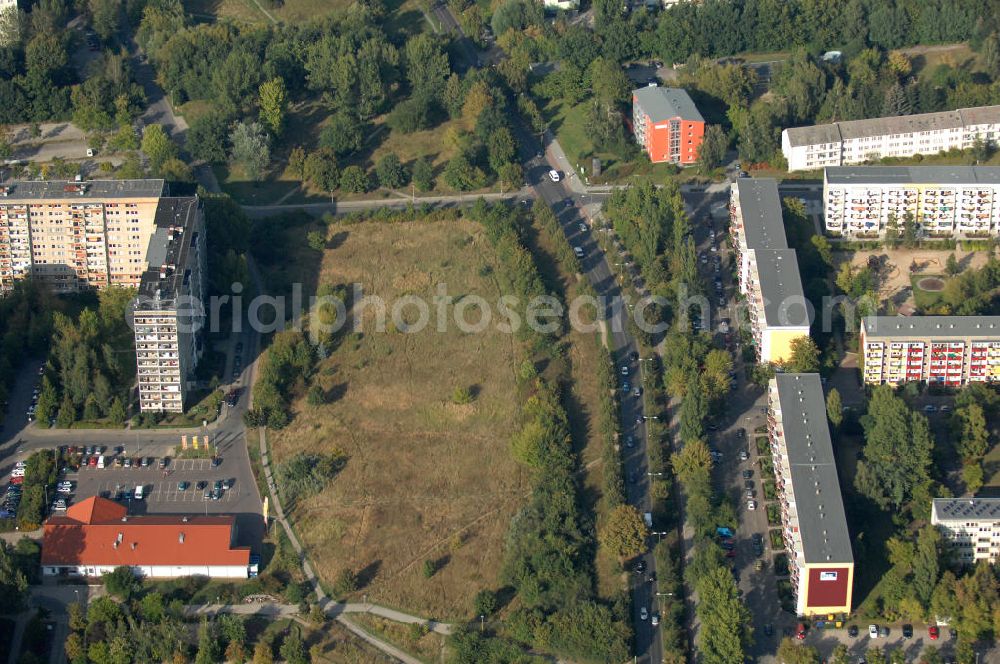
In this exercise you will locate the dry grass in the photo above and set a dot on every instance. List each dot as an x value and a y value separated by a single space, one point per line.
426 646
426 479
336 644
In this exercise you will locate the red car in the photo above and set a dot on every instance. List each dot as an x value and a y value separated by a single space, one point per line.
800 631
932 632
92 461
16 480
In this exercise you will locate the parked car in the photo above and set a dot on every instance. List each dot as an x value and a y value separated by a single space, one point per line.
643 613
554 175
624 369
852 631
930 408
751 505
883 631
655 619
800 631
907 631
872 631
747 474
578 252
183 486
933 632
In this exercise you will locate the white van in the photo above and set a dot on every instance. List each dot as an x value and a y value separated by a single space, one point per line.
138 492
100 461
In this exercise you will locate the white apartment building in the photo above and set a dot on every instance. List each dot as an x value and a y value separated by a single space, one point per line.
943 350
75 235
943 201
169 310
814 525
857 141
971 526
768 270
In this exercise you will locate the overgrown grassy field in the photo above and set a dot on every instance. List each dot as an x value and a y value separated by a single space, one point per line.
426 479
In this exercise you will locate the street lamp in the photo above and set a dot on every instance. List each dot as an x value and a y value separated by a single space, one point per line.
482 622
656 474
664 594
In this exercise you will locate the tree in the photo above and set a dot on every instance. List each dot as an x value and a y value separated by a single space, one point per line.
896 101
969 426
427 67
623 532
106 18
693 463
342 133
926 567
208 645
712 151
792 652
390 171
608 81
13 582
121 582
804 357
48 402
157 146
297 162
116 412
320 169
461 175
973 476
951 265
485 602
715 373
724 616
316 240
354 180
67 413
251 150
991 55
423 175
272 104
262 653
834 408
897 451
292 650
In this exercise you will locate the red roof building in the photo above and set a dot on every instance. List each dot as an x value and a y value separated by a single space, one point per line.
97 535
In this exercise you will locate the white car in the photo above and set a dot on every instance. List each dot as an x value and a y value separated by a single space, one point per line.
751 505
17 472
583 227
578 252
65 487
872 631
624 370
643 613
656 619
554 175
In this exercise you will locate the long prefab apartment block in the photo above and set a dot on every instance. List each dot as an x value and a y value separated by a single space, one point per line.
944 350
942 201
813 522
858 141
768 270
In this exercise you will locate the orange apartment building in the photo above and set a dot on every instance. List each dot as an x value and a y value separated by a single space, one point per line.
943 350
667 124
74 235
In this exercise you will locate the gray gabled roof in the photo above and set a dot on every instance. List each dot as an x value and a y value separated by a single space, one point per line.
91 189
930 327
760 206
813 469
955 175
662 104
962 509
897 124
781 288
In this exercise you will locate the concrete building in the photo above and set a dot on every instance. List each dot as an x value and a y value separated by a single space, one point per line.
971 526
814 526
667 124
74 235
768 270
97 535
857 141
561 5
943 201
946 350
169 309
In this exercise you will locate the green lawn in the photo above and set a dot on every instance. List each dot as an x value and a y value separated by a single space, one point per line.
925 299
991 466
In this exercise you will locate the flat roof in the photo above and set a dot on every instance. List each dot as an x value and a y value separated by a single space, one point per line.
932 326
166 255
28 190
912 175
664 103
961 509
898 124
781 288
813 470
760 205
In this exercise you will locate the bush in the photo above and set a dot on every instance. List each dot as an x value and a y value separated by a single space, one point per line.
410 116
305 475
354 180
462 396
485 603
390 172
121 582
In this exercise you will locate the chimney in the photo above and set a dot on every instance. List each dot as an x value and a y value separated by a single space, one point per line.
180 538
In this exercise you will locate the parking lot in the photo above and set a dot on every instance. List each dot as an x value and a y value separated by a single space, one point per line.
162 492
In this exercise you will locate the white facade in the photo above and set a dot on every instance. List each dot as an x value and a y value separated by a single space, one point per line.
942 202
857 141
970 526
563 5
158 571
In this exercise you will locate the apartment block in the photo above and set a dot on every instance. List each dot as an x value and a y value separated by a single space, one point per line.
168 312
667 124
971 526
814 525
858 141
768 270
76 235
943 201
944 350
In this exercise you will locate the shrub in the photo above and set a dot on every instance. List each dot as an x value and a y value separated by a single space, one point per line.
354 180
462 396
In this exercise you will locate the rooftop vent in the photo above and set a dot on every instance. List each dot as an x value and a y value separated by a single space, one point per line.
180 538
134 545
